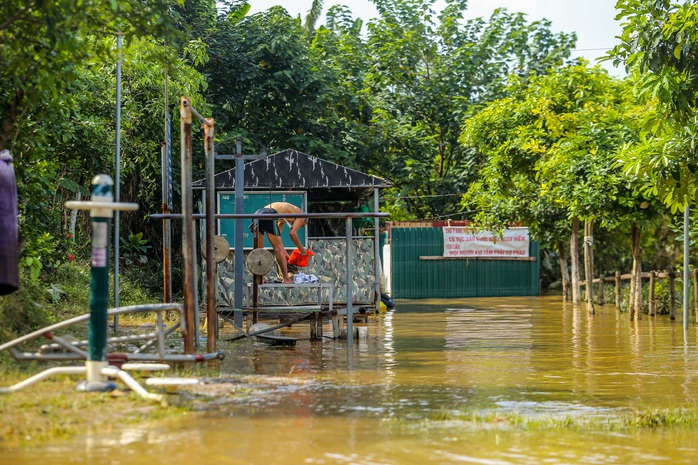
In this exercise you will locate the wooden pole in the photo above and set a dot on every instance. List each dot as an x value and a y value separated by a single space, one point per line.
602 285
618 293
589 264
652 303
188 238
672 295
695 292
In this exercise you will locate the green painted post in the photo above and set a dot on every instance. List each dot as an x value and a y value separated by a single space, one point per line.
102 185
101 207
99 283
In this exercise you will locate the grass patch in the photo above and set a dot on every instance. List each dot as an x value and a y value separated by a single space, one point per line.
678 418
53 409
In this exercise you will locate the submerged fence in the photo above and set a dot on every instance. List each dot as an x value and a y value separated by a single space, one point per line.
654 278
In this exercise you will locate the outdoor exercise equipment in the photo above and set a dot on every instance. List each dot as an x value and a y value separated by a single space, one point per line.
98 364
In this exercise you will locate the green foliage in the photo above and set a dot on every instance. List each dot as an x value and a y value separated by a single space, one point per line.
45 255
43 45
134 249
24 310
658 43
427 74
142 284
548 153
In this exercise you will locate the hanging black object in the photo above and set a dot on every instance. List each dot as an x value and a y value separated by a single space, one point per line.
9 246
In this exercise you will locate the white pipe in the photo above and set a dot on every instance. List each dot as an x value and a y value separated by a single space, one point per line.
42 376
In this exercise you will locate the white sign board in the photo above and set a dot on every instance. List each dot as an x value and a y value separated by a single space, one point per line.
464 242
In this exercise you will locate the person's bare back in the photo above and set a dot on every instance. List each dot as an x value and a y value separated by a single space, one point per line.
294 224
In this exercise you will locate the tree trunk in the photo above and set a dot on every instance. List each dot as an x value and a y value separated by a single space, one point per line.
589 264
574 262
636 279
564 272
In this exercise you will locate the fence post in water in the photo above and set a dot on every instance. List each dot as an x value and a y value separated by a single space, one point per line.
618 294
652 303
602 284
672 295
101 207
695 291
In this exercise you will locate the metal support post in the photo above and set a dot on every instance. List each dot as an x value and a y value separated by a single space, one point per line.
239 247
350 286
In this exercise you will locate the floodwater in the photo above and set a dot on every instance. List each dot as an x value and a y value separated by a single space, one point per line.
413 391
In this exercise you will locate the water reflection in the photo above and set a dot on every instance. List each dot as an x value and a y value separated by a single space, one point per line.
316 403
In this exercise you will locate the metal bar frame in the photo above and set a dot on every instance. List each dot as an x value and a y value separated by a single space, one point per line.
152 338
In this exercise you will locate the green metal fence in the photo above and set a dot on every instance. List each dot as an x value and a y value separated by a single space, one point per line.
415 278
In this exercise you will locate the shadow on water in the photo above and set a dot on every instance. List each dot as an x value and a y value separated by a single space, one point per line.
486 381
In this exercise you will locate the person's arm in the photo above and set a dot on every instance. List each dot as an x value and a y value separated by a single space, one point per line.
298 223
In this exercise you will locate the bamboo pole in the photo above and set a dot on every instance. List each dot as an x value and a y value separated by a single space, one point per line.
602 285
618 293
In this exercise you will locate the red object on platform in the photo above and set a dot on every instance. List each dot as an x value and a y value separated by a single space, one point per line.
299 260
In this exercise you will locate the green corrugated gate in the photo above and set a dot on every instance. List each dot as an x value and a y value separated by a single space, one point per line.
413 278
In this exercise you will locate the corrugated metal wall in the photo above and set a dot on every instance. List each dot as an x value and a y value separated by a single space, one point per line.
413 278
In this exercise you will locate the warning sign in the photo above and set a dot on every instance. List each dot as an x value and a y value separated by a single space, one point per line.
465 242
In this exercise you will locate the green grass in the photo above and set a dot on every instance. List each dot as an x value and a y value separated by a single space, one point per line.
645 419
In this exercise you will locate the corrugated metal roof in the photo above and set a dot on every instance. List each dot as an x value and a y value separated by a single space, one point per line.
291 169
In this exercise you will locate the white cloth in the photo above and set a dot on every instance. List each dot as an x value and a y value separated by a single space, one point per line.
302 278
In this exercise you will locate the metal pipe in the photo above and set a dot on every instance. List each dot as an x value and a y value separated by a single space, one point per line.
42 376
166 228
228 216
207 122
239 245
86 317
117 176
350 287
376 248
211 265
167 194
188 226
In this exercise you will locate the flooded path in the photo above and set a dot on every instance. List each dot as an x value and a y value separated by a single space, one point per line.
428 386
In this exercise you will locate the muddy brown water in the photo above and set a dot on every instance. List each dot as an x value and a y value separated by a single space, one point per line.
398 397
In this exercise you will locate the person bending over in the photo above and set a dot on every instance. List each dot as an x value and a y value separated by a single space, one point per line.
273 230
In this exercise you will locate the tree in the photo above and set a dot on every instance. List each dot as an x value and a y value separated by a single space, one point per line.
550 155
658 44
42 44
60 108
427 74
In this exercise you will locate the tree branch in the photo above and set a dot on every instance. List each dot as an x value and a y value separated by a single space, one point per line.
16 17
